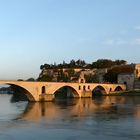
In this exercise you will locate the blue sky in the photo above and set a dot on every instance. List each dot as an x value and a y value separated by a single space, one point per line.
34 32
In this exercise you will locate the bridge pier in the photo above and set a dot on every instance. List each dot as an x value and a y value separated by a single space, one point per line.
87 94
46 97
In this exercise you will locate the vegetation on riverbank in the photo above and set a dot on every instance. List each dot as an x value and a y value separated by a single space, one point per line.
126 93
66 71
99 64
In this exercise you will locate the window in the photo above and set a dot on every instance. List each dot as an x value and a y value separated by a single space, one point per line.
84 87
43 90
82 80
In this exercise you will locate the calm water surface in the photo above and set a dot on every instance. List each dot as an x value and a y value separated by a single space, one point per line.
106 118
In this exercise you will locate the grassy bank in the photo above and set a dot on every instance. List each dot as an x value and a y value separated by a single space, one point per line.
127 93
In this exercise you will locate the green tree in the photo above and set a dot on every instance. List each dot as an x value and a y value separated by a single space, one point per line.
72 63
45 78
31 79
91 78
20 80
102 63
71 72
112 74
106 63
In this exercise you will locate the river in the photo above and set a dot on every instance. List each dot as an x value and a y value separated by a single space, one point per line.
104 118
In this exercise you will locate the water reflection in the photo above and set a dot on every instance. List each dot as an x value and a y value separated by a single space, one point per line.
105 108
78 119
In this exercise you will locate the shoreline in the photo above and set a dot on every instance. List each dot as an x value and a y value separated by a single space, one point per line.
126 93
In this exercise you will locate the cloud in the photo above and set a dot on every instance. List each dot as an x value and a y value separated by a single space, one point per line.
121 42
115 42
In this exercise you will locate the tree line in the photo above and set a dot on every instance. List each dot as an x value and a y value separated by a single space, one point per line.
114 68
101 63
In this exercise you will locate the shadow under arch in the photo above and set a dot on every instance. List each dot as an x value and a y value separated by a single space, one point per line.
20 92
118 88
99 91
66 92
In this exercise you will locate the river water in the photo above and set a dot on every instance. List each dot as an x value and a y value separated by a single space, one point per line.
105 118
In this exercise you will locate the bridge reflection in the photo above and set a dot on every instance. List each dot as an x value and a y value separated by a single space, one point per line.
104 108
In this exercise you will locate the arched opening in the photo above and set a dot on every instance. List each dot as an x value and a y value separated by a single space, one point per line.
118 88
84 88
43 90
125 83
82 80
19 93
98 91
66 92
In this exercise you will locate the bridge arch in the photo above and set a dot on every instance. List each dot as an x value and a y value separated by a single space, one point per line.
66 92
118 88
22 90
99 90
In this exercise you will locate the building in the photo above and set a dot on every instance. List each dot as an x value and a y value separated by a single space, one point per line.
100 74
74 75
128 79
131 79
129 75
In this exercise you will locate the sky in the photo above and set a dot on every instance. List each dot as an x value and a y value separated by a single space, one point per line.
34 32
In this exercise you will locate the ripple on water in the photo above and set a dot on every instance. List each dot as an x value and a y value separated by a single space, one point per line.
83 119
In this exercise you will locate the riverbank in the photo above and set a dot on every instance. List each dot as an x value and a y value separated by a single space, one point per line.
126 93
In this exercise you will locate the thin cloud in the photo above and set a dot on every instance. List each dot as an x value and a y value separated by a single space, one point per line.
115 42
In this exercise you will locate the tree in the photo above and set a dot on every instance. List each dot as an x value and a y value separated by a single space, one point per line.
45 78
107 63
91 78
41 67
80 63
72 63
31 79
71 72
62 77
120 62
112 74
47 66
20 80
102 63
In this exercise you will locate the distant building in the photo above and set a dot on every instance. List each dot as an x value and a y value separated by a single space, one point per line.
130 74
100 74
128 79
131 79
77 77
137 70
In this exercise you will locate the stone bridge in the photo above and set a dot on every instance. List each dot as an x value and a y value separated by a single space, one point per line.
45 91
